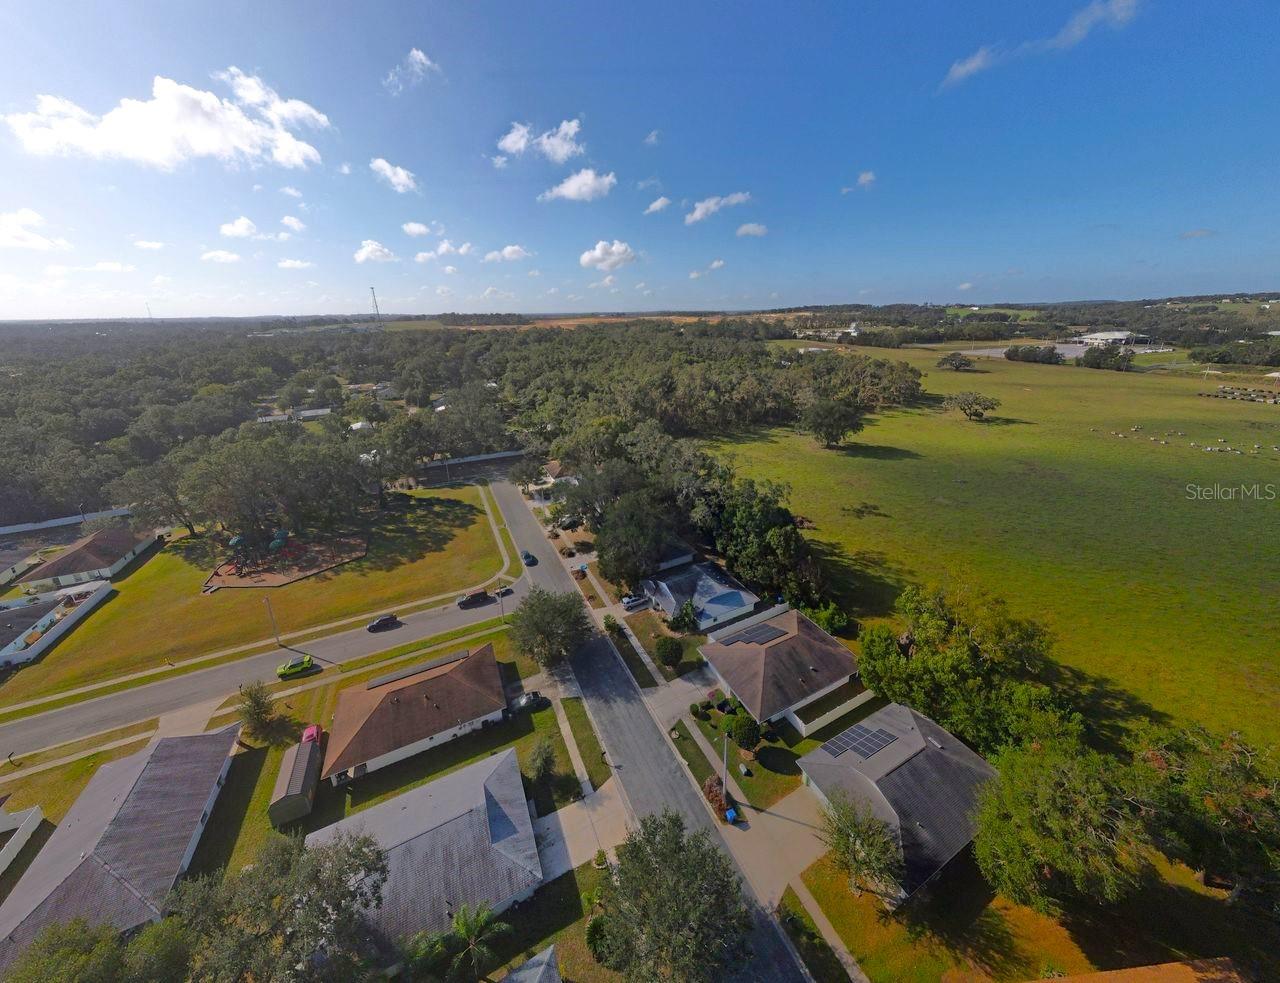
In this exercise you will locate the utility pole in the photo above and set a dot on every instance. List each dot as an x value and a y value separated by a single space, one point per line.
376 313
272 615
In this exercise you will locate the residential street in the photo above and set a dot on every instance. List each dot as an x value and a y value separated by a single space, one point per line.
651 777
153 699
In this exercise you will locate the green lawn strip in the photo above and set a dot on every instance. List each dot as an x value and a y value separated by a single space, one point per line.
55 789
417 646
776 770
28 761
584 735
648 627
443 542
639 671
819 958
611 589
556 914
692 754
912 497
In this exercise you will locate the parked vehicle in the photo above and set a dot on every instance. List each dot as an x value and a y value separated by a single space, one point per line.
476 597
570 522
312 734
506 591
530 701
383 623
634 602
296 666
528 558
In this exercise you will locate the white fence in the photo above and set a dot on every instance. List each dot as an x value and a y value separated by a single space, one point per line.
23 825
66 520
13 657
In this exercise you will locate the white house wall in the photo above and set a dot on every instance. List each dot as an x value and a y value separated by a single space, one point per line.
204 816
834 714
50 638
417 747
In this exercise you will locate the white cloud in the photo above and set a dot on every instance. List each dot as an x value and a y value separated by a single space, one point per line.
220 256
372 251
516 141
979 61
102 266
411 70
295 264
159 280
709 206
1109 13
443 292
560 144
641 285
415 229
499 161
965 286
150 244
866 179
652 138
715 264
607 256
425 257
17 232
291 191
586 185
493 293
241 228
296 224
507 254
178 123
451 270
752 229
657 205
398 178
535 273
344 168
607 281
465 249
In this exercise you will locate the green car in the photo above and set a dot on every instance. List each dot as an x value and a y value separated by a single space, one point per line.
295 666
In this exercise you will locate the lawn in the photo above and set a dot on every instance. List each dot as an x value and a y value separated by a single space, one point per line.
776 771
584 735
556 914
648 627
143 728
693 755
1157 602
963 931
823 964
639 671
437 542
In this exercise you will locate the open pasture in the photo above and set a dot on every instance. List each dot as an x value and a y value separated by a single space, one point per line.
1154 564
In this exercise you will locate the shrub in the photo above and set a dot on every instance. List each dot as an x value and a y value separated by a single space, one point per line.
828 617
744 731
713 791
612 625
542 760
696 711
603 945
256 708
669 651
685 620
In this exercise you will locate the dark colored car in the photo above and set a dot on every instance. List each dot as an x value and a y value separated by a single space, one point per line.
473 599
529 702
383 623
506 591
528 558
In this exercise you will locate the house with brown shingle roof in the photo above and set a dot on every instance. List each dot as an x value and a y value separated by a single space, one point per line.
98 556
781 666
398 715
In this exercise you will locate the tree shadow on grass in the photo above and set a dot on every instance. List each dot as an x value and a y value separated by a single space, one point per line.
1005 421
955 912
875 452
866 582
1109 709
1189 925
411 528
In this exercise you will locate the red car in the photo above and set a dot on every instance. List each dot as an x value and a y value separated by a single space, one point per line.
312 734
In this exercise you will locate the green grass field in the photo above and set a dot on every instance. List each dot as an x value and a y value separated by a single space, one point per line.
1158 602
1015 313
158 614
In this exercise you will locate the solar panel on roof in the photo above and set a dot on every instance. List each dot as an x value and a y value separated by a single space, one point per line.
861 739
757 635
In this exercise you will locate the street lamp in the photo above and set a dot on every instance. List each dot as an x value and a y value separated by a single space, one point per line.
271 614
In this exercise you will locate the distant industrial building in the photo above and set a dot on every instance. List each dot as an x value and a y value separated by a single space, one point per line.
1107 338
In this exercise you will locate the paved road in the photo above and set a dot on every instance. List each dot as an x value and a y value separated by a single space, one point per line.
651 778
153 699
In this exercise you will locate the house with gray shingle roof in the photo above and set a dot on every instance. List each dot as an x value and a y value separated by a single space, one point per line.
465 838
542 968
127 839
916 777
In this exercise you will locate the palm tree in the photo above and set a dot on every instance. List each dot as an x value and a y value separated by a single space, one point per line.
463 952
474 931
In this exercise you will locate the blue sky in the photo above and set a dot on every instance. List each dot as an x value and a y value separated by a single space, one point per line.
855 152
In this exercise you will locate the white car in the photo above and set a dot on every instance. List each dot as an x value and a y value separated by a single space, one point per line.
634 602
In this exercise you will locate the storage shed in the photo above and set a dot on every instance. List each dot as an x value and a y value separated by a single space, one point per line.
295 790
